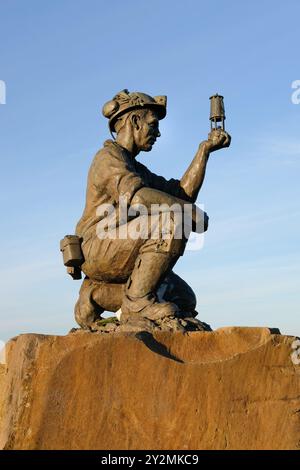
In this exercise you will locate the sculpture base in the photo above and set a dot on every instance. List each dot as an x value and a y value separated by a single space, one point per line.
234 388
136 323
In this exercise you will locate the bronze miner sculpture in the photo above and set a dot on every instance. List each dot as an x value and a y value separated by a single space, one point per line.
136 224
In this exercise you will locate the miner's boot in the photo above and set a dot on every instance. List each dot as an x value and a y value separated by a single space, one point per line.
140 291
87 311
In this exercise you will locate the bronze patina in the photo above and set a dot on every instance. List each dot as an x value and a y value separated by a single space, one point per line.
129 270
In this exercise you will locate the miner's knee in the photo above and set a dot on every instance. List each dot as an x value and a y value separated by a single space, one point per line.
167 231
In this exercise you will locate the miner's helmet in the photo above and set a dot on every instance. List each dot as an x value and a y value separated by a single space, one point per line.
124 102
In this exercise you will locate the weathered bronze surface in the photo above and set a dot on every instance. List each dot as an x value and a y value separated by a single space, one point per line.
124 270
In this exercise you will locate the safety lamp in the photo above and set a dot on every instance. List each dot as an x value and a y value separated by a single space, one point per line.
217 112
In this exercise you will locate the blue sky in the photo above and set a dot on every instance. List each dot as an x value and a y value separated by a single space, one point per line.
61 60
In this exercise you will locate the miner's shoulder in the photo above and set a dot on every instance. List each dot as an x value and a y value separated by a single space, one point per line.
105 154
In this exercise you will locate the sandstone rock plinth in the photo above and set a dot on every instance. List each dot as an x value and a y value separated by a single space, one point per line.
234 388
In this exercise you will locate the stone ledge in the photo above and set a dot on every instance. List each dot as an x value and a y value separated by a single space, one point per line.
234 388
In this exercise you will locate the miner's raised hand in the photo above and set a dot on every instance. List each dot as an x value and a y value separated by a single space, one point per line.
217 139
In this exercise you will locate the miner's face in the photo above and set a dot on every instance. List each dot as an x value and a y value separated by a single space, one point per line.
145 130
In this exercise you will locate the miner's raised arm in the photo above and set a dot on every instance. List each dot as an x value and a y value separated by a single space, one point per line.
193 178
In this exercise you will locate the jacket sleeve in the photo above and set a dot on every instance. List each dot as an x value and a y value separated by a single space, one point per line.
171 186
